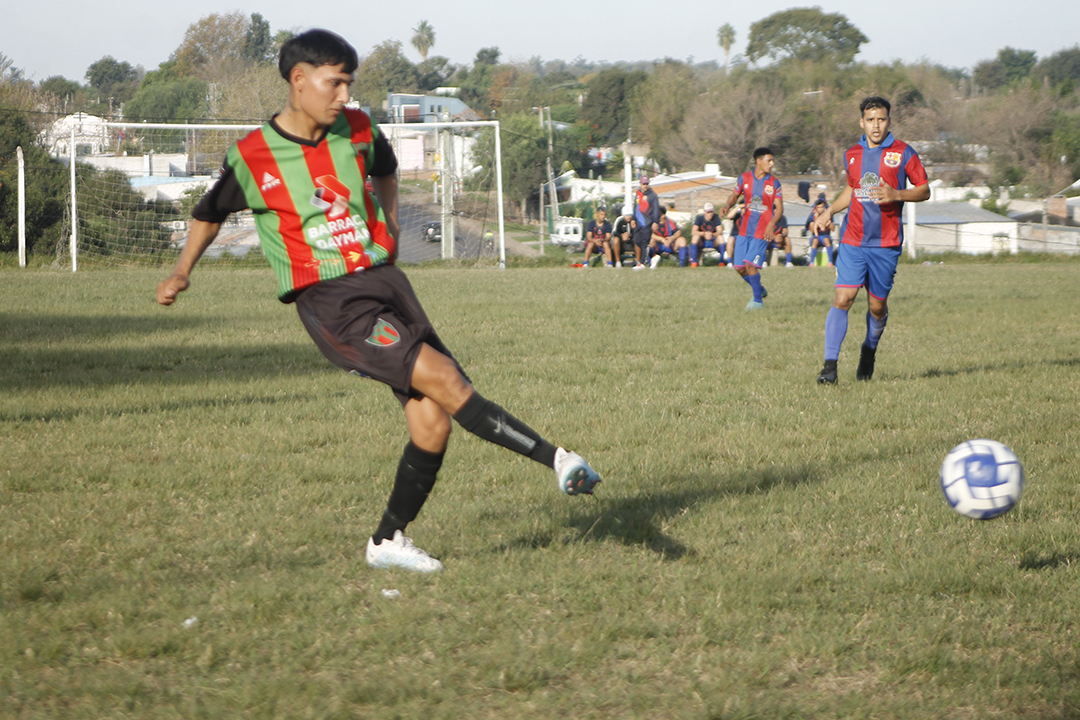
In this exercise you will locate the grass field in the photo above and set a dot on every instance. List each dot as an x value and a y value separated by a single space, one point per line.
185 495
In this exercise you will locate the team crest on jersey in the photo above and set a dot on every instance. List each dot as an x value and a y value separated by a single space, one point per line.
769 190
892 159
360 147
383 335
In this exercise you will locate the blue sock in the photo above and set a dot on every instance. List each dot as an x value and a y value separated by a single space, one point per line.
695 252
835 330
813 255
831 256
874 328
787 258
682 256
755 283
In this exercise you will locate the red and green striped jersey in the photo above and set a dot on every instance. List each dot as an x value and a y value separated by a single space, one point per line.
316 221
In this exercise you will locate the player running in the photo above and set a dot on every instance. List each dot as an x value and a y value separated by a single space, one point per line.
879 168
332 246
764 204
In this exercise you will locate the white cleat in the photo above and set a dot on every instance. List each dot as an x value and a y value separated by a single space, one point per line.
654 262
576 477
400 553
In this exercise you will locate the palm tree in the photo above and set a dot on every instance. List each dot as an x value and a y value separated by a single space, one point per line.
726 37
423 38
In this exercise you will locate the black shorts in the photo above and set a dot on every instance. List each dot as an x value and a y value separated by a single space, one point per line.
371 324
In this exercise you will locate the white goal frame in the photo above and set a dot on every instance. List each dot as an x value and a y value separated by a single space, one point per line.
387 128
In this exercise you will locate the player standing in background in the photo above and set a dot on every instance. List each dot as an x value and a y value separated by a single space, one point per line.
646 215
332 247
764 204
706 233
598 236
878 170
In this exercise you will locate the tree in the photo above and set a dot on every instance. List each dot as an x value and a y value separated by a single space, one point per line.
167 100
384 71
605 109
660 103
434 72
423 38
258 44
1061 67
46 183
476 84
805 34
113 80
213 46
726 37
1008 67
725 126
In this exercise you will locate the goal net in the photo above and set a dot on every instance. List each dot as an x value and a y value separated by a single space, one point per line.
135 185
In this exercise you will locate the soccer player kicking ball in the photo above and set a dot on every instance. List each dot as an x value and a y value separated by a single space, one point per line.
332 247
879 168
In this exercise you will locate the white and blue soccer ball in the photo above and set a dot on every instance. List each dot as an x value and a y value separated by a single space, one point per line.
982 479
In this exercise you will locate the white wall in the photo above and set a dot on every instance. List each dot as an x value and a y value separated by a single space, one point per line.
970 238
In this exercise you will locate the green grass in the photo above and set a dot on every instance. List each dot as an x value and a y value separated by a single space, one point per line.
761 547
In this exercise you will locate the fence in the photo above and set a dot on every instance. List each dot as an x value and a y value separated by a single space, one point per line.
131 188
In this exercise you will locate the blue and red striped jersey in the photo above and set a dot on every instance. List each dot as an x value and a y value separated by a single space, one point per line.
894 163
760 196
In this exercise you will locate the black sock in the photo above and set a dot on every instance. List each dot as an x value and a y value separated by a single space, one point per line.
415 477
487 420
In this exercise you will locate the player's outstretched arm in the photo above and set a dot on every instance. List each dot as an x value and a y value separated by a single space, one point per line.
199 238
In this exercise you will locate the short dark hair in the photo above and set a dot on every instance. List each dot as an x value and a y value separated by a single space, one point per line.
762 152
875 102
663 210
318 48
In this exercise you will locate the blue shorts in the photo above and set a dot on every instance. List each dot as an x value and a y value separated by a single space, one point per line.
665 249
871 267
749 251
714 244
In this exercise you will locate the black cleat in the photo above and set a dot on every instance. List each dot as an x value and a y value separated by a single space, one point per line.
827 376
865 371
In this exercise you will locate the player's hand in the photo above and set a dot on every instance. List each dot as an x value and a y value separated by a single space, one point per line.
170 287
884 194
770 231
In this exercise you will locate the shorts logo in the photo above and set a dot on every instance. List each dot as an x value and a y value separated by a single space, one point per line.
892 159
383 335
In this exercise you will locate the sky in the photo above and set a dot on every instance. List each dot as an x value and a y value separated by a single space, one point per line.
64 37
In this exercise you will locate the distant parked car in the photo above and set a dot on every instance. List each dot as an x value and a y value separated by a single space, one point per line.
432 231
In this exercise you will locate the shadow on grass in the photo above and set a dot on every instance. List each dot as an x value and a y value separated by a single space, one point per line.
1034 561
169 407
640 519
979 369
17 327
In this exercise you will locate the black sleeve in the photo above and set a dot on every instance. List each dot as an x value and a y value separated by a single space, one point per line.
385 160
222 199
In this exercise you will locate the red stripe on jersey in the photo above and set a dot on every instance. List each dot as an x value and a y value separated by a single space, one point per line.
360 127
260 161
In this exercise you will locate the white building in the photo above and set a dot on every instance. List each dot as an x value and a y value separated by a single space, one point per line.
961 227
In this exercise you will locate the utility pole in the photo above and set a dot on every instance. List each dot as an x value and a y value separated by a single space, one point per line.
553 194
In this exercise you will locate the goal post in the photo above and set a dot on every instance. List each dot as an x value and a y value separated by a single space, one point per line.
133 189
